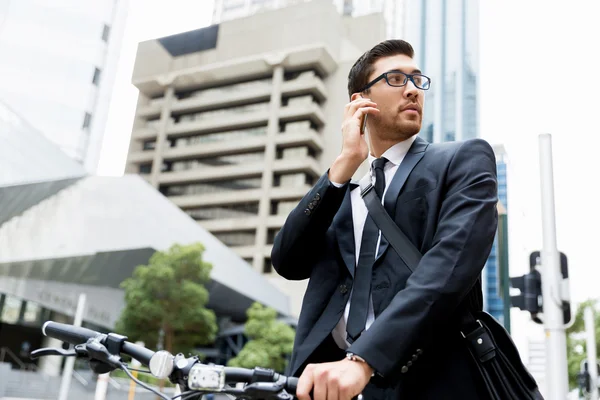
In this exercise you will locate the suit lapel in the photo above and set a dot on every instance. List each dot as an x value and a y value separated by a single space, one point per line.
344 230
412 158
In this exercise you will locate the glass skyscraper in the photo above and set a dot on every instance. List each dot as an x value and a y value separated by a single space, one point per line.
59 62
493 291
445 36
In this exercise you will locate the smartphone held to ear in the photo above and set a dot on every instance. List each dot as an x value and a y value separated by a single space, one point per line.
364 124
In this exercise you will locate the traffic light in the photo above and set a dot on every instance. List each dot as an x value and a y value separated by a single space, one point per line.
583 381
530 298
530 287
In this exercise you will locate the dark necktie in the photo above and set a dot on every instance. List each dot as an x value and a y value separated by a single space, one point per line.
361 293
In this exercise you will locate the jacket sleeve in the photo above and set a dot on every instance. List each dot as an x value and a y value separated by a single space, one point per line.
448 270
301 239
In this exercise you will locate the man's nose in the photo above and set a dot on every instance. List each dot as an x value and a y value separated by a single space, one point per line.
410 90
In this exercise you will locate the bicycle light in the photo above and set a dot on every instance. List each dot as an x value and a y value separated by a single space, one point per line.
161 364
207 377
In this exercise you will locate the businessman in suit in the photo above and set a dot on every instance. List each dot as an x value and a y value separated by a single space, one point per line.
368 323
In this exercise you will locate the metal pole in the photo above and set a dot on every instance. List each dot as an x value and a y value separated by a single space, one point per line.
590 331
556 339
68 371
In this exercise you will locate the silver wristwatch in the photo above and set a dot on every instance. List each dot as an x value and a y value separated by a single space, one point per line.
354 357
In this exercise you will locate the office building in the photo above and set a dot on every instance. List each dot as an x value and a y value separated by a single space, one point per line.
235 123
59 61
495 276
445 35
393 10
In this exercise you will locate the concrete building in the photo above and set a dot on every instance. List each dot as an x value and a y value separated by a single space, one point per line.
236 121
59 62
393 10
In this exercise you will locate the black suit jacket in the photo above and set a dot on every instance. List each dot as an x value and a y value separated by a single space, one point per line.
444 198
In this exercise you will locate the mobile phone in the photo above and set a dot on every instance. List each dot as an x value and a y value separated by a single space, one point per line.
364 124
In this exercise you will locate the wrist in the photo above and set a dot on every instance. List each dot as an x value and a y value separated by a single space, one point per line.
368 370
343 168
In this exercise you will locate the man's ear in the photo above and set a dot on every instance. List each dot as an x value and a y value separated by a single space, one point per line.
356 96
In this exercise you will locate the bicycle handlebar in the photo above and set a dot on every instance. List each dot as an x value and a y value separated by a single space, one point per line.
77 335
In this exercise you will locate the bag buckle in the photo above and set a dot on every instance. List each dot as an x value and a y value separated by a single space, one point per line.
464 336
365 190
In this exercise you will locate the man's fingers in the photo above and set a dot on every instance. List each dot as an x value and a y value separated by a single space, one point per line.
305 384
359 114
333 384
320 382
356 104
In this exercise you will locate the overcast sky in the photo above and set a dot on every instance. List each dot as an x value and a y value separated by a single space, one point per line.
540 73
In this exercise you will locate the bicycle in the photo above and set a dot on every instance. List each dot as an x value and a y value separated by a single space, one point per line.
194 378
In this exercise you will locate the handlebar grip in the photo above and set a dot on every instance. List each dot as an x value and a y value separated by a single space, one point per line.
68 333
291 385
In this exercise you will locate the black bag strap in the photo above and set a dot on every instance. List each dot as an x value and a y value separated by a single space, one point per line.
406 250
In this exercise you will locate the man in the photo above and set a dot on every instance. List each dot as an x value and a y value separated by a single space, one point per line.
368 323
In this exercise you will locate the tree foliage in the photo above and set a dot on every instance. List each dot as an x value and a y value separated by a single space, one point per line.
576 341
169 294
270 340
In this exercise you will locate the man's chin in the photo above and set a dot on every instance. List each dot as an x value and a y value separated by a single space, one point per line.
409 128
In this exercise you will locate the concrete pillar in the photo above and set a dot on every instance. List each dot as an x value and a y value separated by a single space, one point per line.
161 138
52 365
264 206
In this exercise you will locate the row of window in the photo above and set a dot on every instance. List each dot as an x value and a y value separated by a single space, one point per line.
289 153
232 135
231 185
244 238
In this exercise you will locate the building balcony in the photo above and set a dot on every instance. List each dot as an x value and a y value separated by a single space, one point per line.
152 109
307 83
212 173
144 133
230 224
308 138
302 111
212 199
224 122
227 96
218 148
303 164
289 192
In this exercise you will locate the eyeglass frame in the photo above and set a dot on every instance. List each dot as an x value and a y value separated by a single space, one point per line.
408 77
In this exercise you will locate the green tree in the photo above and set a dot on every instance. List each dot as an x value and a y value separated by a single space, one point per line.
169 295
270 340
576 343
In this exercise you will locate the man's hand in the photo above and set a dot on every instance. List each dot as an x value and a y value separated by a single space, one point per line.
354 146
335 380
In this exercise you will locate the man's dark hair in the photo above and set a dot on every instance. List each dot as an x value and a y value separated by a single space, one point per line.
363 67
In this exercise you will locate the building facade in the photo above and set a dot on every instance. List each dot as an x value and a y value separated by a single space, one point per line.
393 10
445 35
235 124
495 275
61 58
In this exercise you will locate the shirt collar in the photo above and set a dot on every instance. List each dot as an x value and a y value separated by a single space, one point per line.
396 153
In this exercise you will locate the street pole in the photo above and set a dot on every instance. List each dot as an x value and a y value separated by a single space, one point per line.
590 331
65 382
556 339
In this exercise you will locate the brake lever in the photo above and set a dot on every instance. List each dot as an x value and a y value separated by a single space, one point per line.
267 390
49 351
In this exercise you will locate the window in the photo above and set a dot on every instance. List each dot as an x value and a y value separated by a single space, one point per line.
105 32
87 120
96 77
267 266
145 168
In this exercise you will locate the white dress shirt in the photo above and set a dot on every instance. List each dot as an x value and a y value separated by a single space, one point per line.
395 155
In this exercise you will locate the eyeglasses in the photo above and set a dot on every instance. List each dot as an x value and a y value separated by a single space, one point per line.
399 79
